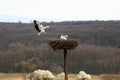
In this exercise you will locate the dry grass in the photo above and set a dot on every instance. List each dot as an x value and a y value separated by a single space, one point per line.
28 79
12 76
110 77
18 76
11 79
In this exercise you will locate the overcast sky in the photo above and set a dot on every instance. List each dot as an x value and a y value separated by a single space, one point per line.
62 10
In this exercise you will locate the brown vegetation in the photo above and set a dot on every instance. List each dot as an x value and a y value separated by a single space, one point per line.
22 50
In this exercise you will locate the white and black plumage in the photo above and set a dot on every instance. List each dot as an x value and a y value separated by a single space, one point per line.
39 27
63 37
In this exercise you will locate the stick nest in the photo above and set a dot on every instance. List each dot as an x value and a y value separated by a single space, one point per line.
63 44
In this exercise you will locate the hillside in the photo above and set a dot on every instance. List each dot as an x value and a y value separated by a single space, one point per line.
22 50
106 33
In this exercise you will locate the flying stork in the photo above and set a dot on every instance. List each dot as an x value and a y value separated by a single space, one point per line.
39 27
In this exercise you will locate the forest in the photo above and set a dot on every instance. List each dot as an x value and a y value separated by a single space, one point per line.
22 50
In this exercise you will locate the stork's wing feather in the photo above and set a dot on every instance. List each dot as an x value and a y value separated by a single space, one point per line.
40 26
46 27
36 27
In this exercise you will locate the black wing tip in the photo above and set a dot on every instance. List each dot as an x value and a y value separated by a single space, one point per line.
34 21
36 25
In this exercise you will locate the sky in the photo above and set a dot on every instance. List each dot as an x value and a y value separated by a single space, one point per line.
59 10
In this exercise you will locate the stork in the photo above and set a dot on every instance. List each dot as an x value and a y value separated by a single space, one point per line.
39 27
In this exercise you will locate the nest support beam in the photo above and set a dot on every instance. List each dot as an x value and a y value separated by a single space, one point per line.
64 45
65 65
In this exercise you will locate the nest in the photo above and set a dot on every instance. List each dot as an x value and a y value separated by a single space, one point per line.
63 44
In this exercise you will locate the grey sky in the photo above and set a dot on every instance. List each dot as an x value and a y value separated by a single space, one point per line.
60 10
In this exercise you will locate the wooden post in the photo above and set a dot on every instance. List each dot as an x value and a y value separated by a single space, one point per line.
65 65
64 45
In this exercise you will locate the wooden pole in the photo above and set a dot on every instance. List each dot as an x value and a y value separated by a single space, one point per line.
65 65
64 45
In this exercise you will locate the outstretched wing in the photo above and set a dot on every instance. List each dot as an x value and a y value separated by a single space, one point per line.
46 27
36 25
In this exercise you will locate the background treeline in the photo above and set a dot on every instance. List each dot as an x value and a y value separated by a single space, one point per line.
22 50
